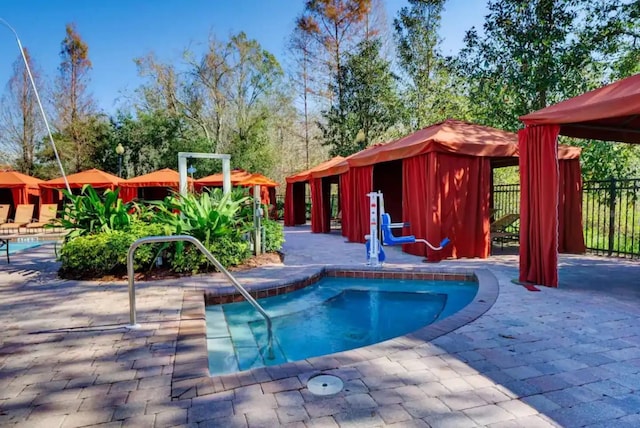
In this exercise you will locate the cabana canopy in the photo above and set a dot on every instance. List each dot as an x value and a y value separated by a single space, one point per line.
164 178
305 175
216 180
96 178
450 136
243 178
22 186
257 179
608 113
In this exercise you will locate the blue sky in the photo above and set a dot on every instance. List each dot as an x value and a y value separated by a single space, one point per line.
117 31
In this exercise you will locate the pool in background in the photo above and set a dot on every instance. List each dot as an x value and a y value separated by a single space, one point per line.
15 247
332 315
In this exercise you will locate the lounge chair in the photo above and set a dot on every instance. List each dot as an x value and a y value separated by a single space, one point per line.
502 229
48 212
4 212
23 216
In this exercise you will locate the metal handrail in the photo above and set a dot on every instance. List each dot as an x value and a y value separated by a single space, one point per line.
212 259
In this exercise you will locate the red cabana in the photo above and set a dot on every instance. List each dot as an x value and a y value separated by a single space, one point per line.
439 180
50 190
267 188
153 186
322 177
19 188
609 113
294 200
242 178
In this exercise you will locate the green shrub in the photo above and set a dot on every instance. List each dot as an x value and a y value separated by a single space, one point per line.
274 235
229 250
100 254
89 212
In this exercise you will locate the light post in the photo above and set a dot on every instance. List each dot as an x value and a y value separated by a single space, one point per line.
35 91
120 152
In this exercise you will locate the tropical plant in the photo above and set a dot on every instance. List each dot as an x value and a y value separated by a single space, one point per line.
203 216
89 212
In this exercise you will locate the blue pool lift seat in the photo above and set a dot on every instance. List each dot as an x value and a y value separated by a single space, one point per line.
389 239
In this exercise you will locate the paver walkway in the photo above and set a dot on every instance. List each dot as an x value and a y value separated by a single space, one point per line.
559 357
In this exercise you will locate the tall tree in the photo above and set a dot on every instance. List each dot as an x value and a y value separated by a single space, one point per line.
529 57
74 106
300 47
19 122
613 26
335 25
431 88
370 105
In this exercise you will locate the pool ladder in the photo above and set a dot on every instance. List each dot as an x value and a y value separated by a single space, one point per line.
212 259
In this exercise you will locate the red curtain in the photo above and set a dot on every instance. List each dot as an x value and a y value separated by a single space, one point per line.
539 204
19 195
317 205
447 196
47 195
345 202
570 236
128 194
289 212
361 183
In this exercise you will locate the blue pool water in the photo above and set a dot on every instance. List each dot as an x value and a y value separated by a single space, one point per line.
15 247
333 315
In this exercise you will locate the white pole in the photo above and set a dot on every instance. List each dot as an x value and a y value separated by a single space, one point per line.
35 90
226 176
374 239
257 219
182 172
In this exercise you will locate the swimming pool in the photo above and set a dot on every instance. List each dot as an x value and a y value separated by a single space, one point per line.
15 247
332 315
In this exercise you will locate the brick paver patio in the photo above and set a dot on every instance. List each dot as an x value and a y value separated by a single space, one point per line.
560 357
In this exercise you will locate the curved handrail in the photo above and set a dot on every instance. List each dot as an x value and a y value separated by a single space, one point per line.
212 259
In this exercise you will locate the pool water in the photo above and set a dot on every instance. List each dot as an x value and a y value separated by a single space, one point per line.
333 315
15 247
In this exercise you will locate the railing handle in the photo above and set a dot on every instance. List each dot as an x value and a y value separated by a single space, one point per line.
212 259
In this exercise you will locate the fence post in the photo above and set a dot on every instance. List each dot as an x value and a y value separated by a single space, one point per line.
612 213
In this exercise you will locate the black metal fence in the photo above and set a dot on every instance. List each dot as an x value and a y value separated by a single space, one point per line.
610 214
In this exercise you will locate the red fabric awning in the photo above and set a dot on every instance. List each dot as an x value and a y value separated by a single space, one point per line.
306 174
257 179
239 177
94 177
450 136
216 180
161 178
609 113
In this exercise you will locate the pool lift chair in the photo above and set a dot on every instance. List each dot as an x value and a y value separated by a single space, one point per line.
373 244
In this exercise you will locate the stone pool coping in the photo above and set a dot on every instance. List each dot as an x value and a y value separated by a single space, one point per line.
191 368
